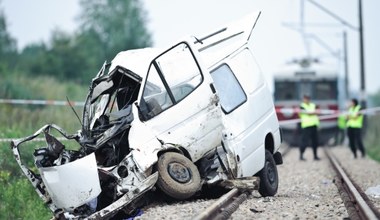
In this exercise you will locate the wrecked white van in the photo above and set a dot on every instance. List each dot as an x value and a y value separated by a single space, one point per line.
198 113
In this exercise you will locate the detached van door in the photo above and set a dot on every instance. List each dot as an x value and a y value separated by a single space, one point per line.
179 102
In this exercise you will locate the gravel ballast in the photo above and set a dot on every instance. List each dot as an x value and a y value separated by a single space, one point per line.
306 191
364 172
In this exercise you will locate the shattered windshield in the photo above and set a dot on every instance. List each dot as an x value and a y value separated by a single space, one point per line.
108 96
101 88
99 108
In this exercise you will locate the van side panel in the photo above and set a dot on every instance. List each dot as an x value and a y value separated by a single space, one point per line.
249 124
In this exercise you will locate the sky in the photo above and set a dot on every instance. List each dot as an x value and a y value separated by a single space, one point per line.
276 42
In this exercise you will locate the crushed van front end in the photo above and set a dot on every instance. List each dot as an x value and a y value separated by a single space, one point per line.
71 183
93 173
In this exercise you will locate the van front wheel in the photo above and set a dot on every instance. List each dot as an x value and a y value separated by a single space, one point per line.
268 176
178 177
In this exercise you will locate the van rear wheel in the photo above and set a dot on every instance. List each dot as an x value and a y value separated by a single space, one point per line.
178 177
268 176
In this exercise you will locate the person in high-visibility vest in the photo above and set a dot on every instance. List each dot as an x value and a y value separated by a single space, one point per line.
341 129
354 127
309 126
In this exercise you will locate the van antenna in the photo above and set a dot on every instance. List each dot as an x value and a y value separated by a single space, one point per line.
72 108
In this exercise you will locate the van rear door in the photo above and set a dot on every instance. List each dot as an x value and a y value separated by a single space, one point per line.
244 95
249 114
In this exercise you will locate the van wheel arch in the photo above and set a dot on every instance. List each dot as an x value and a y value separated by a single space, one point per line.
269 143
179 150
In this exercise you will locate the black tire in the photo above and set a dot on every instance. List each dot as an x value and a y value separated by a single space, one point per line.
268 176
178 177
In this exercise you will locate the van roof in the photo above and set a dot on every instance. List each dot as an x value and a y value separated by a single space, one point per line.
136 60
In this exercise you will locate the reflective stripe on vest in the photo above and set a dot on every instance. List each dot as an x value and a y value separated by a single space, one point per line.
353 121
306 119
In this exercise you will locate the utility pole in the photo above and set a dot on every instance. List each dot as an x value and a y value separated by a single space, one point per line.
346 82
362 64
361 44
363 97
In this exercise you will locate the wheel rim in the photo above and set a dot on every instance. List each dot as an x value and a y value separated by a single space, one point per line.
271 174
179 172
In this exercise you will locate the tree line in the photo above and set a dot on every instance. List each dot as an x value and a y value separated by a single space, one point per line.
105 28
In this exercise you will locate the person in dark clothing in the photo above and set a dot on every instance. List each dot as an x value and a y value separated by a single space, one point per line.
354 128
309 126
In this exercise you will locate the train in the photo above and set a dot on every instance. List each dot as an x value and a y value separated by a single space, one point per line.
307 77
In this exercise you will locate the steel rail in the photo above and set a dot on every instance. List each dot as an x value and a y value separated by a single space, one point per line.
224 206
356 206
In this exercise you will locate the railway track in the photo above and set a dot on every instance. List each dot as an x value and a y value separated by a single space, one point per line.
357 204
224 206
228 203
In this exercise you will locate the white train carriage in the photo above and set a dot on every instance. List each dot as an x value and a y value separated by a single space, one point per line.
322 83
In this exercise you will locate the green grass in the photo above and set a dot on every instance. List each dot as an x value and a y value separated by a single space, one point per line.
18 200
19 121
372 137
22 87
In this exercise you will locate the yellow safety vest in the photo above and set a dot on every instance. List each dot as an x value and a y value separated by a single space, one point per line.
355 122
342 121
306 119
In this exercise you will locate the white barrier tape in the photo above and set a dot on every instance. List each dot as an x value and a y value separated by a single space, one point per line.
298 110
332 116
39 102
33 140
283 122
7 139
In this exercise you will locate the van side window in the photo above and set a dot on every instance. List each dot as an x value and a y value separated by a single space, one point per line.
171 77
229 90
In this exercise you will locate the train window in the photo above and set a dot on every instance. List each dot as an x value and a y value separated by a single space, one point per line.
324 90
305 88
285 91
229 90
